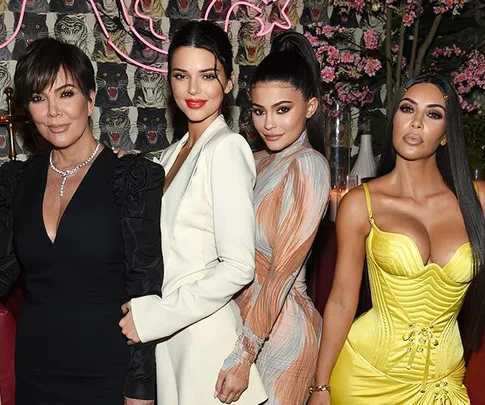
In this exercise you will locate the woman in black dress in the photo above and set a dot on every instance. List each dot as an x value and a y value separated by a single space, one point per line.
84 229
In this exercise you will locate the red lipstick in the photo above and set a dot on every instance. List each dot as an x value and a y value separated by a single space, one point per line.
195 103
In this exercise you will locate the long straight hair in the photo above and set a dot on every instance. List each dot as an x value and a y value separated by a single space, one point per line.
452 163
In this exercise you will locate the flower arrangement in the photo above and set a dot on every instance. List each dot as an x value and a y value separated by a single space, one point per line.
374 45
394 40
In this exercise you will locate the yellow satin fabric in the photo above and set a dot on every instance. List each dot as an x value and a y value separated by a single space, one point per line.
407 349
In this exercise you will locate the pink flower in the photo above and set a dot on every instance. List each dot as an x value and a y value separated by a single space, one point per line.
371 40
346 57
328 74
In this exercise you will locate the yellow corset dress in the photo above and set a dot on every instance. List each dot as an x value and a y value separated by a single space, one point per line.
407 349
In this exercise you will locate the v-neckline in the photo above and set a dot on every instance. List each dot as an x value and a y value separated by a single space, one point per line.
76 192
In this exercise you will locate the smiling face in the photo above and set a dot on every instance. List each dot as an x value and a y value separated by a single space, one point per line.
279 113
198 84
60 112
419 122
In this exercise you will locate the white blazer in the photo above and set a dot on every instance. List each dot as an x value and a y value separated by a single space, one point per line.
208 232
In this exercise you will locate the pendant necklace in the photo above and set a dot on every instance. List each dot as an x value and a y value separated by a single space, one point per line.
68 173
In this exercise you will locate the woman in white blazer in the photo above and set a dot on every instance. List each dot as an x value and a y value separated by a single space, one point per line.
208 231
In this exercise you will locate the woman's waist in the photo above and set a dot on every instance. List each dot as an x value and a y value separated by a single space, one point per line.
400 347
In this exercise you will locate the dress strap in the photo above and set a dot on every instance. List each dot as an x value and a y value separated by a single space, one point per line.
475 186
368 201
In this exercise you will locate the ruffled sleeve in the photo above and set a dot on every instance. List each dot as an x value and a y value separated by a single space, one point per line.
9 266
137 187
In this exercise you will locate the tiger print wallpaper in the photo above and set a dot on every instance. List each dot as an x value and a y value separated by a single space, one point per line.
131 102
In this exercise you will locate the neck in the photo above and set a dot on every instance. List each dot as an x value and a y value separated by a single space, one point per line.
417 179
196 129
67 158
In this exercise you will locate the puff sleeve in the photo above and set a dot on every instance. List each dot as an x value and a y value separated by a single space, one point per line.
9 266
137 187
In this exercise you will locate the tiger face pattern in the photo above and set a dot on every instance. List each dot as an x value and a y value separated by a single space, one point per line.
5 81
277 13
5 141
183 9
152 8
103 52
247 130
250 47
150 89
152 127
5 54
218 11
243 84
107 6
33 27
314 11
69 6
114 127
32 6
112 83
142 52
72 30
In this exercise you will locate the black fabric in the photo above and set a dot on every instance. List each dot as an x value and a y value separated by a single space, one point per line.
9 267
138 189
69 348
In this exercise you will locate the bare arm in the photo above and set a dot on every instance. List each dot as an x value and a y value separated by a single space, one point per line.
352 229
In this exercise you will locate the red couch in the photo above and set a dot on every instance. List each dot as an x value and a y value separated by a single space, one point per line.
9 312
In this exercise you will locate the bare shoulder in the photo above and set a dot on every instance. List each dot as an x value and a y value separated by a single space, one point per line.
352 211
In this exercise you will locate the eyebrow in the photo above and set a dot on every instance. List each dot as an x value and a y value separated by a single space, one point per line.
200 71
428 105
275 104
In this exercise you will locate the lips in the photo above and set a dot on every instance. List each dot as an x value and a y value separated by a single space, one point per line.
57 129
272 137
412 139
195 103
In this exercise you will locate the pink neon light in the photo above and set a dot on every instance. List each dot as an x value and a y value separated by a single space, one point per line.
19 24
261 32
136 33
149 19
118 50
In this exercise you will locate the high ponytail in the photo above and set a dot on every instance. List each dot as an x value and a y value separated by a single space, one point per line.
293 61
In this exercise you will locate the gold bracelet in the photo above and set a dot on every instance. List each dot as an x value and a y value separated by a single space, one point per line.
319 388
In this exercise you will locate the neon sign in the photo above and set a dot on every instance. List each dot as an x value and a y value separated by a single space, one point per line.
265 27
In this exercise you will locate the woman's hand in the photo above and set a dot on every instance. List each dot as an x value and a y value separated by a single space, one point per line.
132 401
122 152
229 387
127 324
320 398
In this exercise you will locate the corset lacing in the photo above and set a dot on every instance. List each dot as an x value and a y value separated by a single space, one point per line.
420 338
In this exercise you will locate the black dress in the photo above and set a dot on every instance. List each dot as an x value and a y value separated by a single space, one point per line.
70 349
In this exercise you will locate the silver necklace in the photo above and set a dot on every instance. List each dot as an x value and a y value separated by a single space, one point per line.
68 173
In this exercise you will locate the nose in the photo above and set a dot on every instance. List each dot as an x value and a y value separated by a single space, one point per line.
417 122
53 108
194 87
269 122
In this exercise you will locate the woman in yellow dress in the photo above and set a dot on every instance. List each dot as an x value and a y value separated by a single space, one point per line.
422 229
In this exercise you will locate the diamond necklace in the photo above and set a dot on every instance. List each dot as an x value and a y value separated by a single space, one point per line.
68 173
